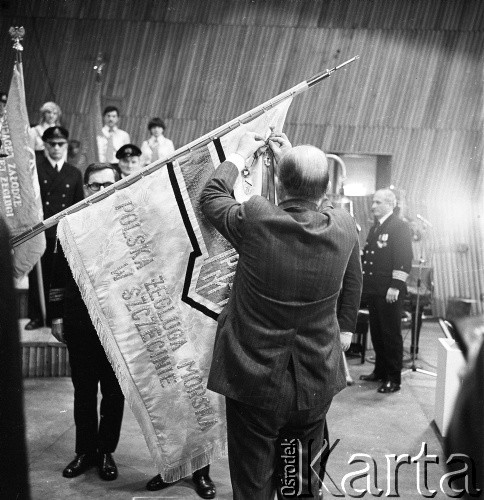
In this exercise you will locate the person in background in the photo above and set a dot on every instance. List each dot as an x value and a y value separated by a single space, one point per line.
157 146
50 115
111 137
73 151
60 187
96 439
464 440
387 261
129 159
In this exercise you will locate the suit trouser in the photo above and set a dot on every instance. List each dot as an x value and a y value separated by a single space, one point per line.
386 336
255 445
89 368
47 260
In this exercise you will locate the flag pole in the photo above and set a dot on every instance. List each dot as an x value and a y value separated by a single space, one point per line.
198 143
17 34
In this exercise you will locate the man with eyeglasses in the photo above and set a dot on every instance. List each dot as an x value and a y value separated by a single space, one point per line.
96 436
60 187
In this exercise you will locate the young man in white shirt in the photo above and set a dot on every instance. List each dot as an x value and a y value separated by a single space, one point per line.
112 137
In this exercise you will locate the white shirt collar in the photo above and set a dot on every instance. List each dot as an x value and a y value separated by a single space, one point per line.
384 218
59 163
106 129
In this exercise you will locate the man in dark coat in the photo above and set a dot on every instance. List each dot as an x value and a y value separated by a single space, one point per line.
60 187
96 438
277 354
387 260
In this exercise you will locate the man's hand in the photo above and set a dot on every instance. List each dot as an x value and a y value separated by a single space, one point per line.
249 143
345 339
279 143
392 295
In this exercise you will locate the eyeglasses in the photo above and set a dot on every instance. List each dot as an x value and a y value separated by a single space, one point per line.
96 186
54 144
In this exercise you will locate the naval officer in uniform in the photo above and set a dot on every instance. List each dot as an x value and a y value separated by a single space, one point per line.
387 260
60 187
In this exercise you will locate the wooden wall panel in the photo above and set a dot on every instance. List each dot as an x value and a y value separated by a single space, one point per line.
415 94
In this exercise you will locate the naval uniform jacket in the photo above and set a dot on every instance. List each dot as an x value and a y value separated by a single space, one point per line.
58 190
387 257
292 263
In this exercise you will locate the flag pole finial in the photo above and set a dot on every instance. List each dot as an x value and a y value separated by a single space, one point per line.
17 34
99 64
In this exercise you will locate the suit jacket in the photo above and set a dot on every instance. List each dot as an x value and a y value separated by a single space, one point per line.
387 257
58 190
292 261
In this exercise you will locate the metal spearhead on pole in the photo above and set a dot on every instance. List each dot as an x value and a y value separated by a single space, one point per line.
17 33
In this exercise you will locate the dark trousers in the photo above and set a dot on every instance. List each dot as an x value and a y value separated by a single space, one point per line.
47 261
204 471
90 368
257 438
386 336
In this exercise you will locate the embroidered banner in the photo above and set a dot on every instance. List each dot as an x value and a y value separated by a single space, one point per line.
154 275
20 202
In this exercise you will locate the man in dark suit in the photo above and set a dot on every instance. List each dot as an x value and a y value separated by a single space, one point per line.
96 438
277 354
387 260
60 187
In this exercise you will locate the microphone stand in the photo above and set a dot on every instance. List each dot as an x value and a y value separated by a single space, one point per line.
414 367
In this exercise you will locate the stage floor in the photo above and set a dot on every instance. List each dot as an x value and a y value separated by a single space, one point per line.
364 421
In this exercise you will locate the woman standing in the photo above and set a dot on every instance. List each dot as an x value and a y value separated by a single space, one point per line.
157 146
50 114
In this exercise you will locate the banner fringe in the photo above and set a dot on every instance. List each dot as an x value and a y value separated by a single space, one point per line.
117 362
169 472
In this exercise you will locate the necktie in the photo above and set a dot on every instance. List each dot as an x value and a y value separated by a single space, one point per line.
56 167
110 151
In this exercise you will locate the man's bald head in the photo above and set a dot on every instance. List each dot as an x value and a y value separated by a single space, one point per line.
388 195
384 201
303 173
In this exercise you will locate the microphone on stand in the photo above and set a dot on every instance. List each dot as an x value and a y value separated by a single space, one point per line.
424 220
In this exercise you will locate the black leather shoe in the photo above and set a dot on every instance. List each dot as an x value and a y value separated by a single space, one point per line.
204 485
80 464
156 484
372 377
107 467
388 387
33 324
